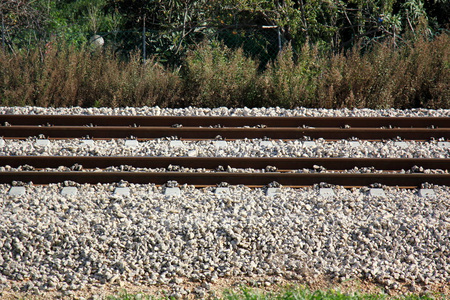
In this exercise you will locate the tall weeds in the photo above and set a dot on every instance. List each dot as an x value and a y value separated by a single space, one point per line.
292 80
215 75
66 76
414 75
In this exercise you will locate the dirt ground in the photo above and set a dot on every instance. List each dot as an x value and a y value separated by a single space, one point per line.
200 290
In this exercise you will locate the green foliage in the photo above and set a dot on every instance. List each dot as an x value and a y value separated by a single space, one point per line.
75 21
292 293
289 293
336 24
127 296
173 25
177 26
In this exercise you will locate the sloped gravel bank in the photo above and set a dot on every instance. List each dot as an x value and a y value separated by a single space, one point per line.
54 242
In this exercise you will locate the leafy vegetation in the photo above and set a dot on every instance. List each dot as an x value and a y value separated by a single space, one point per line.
318 53
333 25
306 294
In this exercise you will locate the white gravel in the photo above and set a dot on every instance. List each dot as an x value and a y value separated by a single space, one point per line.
68 242
237 148
49 241
223 111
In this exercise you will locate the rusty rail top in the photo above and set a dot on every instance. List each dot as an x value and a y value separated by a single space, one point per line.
237 121
212 178
149 127
284 163
24 131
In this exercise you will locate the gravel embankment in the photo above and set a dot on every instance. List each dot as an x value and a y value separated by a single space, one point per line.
54 242
68 242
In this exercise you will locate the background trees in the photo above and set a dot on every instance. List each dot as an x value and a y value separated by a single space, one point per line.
334 53
175 25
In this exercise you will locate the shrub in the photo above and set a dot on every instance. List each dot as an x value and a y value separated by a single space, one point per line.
416 74
291 81
66 76
215 76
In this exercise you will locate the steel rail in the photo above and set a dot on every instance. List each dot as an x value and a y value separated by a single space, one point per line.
254 179
237 121
282 163
228 133
230 128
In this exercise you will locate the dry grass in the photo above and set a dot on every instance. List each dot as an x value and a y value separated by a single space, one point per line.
292 80
218 76
74 77
414 75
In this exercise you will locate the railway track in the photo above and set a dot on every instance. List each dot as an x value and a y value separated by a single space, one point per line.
286 171
375 128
